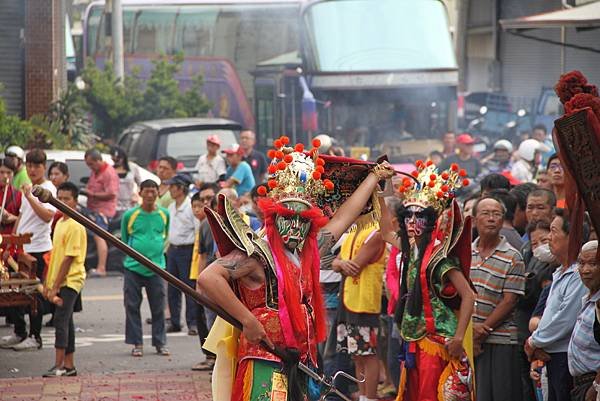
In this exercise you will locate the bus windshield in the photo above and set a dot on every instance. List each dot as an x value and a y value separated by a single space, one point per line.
408 35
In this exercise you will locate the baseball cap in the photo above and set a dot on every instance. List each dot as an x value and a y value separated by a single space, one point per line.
214 139
234 149
180 179
15 151
503 144
465 139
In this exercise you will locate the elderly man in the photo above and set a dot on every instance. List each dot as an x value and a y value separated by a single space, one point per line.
563 304
497 273
584 349
253 157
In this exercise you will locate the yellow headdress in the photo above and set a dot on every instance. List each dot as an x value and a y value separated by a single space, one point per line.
431 187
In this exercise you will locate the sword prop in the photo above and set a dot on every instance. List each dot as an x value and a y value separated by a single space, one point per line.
46 196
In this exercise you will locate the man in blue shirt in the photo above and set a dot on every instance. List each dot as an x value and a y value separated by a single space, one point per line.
239 173
562 307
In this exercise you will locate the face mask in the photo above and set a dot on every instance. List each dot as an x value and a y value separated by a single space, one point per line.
543 254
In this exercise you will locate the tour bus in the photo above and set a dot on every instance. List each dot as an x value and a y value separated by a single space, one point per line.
368 72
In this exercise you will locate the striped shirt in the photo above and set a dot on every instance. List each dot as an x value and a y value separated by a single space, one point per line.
503 271
584 351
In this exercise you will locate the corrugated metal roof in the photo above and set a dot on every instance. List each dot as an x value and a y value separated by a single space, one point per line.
586 16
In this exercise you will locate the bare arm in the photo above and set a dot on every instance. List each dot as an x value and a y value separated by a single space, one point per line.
347 214
214 282
103 196
467 302
60 277
38 207
385 226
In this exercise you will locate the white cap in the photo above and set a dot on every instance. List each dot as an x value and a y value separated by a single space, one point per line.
503 144
15 151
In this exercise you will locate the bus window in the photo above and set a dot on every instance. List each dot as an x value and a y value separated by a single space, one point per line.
194 33
93 30
153 31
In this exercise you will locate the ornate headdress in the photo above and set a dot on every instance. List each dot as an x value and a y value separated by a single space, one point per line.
294 173
432 188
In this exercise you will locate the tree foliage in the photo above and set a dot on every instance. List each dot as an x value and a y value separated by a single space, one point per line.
110 105
115 105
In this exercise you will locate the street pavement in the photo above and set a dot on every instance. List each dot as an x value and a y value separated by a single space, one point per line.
107 371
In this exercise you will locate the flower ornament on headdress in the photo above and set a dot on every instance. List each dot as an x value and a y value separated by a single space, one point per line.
432 188
294 173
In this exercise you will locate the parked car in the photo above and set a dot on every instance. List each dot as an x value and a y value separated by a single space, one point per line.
182 138
79 174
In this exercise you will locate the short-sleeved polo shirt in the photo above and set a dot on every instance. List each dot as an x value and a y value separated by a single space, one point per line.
503 271
243 177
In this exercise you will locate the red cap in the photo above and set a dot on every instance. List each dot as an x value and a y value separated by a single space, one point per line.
465 139
234 149
512 180
214 139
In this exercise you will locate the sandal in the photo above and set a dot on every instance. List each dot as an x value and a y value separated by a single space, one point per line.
163 351
137 351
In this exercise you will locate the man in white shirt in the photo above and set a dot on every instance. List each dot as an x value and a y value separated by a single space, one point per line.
36 218
211 166
182 233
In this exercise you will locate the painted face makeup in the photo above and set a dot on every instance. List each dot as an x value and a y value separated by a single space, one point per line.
293 229
415 220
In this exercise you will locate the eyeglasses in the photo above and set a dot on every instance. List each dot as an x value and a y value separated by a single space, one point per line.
555 167
487 213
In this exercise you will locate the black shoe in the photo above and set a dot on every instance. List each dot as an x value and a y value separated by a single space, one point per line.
71 371
173 329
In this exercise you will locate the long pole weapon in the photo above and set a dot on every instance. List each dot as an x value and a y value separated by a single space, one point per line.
46 196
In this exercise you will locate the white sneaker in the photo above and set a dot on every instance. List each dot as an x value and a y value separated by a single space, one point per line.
9 341
28 344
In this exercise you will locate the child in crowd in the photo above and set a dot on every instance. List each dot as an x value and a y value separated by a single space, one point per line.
65 279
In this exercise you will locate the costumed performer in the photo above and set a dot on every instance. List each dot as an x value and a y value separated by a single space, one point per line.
436 300
271 284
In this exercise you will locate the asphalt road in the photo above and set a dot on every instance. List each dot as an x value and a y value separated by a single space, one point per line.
100 339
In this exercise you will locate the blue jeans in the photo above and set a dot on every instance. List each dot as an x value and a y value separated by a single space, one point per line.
179 260
155 291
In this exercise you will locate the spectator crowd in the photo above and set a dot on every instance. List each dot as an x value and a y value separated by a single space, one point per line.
535 322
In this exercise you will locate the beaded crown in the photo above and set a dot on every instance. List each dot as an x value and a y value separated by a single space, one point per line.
295 173
431 188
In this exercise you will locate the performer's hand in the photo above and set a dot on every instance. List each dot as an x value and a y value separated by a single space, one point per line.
455 348
383 171
255 332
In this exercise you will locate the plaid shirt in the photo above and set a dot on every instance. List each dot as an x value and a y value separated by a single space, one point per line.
584 351
503 271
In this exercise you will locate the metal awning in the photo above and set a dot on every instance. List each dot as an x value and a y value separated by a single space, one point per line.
586 16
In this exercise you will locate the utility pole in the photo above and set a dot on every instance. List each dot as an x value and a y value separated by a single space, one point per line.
117 37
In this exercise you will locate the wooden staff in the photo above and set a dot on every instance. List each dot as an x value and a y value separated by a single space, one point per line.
46 196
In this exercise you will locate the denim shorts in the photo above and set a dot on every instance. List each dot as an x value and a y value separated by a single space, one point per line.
100 219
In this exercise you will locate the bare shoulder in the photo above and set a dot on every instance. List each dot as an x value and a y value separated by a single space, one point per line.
239 265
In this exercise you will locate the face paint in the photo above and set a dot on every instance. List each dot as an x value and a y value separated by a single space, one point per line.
415 221
293 229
